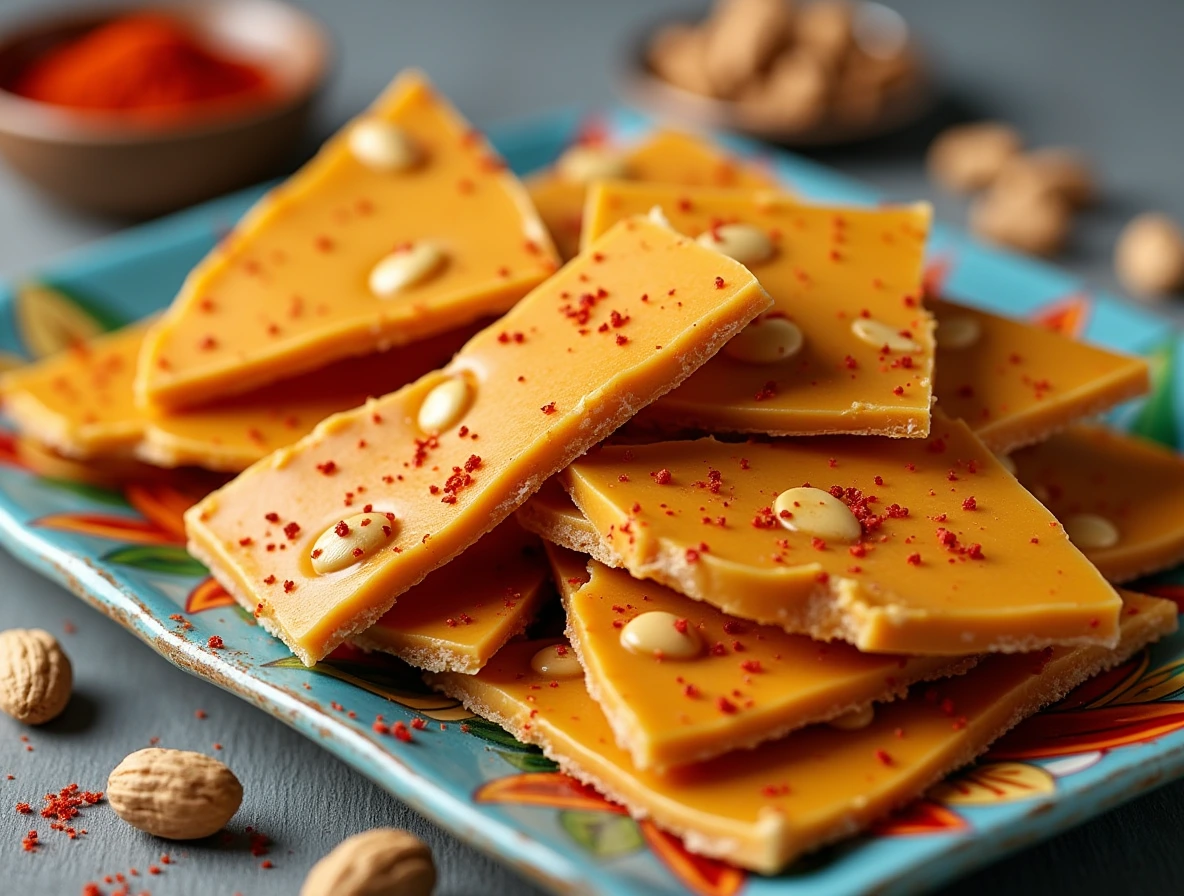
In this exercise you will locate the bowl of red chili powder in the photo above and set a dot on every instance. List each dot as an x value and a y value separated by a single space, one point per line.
140 111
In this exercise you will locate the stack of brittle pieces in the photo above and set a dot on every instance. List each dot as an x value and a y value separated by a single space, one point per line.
773 486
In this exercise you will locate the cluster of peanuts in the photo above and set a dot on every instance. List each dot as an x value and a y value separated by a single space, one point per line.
794 69
1026 200
181 795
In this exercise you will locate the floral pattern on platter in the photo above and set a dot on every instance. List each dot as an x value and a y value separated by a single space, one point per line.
122 546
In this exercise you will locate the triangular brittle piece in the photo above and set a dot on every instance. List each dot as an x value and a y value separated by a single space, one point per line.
922 547
405 225
1015 383
762 808
848 346
726 684
670 157
462 614
1118 496
439 463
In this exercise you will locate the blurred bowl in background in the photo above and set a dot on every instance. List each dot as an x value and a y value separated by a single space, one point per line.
879 86
114 164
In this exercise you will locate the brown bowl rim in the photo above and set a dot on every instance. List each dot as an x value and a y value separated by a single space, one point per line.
32 119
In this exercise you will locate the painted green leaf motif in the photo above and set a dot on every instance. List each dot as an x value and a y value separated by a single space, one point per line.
163 558
495 734
1156 419
603 835
95 493
528 762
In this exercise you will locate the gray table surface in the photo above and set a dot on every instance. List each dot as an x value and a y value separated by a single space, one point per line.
1095 74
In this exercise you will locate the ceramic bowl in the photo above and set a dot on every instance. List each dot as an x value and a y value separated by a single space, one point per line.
106 163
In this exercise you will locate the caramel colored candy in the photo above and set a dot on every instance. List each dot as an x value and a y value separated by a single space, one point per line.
747 684
461 614
567 366
1118 496
969 157
358 251
1036 223
663 157
1149 257
1015 383
701 517
763 808
848 279
82 403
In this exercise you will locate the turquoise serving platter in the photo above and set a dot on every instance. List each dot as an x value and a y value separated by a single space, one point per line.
123 552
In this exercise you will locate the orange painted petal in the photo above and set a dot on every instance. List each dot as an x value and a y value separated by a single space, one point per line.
553 789
1108 684
1174 593
1065 733
116 528
701 875
919 818
206 596
933 281
1068 316
163 505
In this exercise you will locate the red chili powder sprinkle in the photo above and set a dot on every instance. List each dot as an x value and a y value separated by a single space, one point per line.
401 732
548 408
719 283
970 504
289 586
215 642
884 758
328 468
272 517
914 559
418 724
662 476
292 530
726 706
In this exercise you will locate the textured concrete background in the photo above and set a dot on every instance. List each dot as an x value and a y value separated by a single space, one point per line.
1095 74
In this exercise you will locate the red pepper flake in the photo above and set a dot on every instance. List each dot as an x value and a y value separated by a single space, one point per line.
208 343
884 758
898 390
418 724
272 517
752 666
726 706
270 580
662 476
292 530
680 626
548 408
401 732
215 642
691 691
817 544
765 519
913 559
970 504
769 390
29 843
772 791
850 363
24 809
289 586
822 577
719 283
328 468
